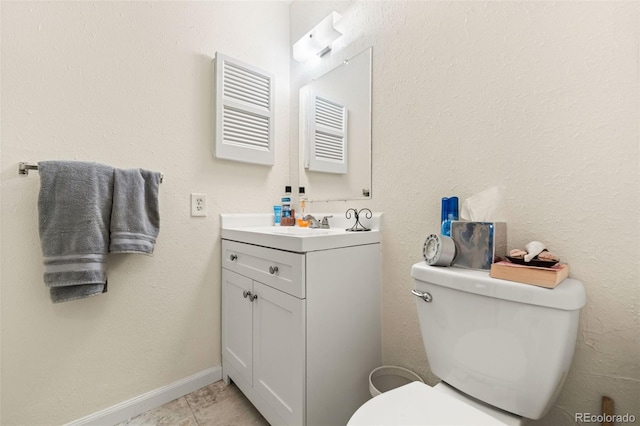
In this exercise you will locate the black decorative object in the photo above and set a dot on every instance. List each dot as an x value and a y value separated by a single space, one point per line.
358 227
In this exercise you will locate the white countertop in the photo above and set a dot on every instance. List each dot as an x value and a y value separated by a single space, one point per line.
258 229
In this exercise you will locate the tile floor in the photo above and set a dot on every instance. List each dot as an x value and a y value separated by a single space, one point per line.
213 405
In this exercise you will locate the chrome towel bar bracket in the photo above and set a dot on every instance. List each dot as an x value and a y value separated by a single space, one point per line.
23 168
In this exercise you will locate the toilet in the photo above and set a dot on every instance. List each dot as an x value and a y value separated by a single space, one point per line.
501 350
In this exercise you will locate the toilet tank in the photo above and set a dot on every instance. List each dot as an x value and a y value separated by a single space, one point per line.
505 343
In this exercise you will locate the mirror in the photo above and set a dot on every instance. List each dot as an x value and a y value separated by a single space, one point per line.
335 132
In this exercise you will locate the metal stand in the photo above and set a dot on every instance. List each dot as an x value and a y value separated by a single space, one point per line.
358 227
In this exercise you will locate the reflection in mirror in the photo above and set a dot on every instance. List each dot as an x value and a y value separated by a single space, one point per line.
335 132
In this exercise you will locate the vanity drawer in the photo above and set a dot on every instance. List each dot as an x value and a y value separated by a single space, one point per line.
279 269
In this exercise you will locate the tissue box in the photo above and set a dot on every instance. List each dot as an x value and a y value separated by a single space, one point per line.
479 244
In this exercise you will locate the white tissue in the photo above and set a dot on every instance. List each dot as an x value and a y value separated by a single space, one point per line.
485 206
533 248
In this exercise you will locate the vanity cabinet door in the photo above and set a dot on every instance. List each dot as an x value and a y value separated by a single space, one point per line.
237 323
279 352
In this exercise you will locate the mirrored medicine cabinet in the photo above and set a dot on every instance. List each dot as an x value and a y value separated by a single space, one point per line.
335 132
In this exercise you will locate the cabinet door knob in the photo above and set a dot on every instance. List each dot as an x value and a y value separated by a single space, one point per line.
246 294
253 297
273 270
233 257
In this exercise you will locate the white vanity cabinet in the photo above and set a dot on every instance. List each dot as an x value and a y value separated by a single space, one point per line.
263 327
301 330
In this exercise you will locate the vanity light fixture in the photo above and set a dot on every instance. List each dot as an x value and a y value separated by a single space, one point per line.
317 41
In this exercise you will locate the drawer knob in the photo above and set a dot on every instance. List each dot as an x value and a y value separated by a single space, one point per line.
273 270
253 297
233 257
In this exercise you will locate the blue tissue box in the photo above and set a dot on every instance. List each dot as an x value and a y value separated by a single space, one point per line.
479 244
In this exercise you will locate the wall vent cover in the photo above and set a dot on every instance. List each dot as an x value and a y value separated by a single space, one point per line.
244 112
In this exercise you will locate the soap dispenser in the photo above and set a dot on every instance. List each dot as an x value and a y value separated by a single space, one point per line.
303 204
303 200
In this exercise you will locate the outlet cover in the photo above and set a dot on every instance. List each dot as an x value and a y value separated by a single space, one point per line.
198 204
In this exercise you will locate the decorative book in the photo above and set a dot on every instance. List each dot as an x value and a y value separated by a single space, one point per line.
544 277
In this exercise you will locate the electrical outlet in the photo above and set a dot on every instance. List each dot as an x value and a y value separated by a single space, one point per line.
198 204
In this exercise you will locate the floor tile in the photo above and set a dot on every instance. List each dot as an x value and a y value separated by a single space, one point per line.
222 405
213 405
176 412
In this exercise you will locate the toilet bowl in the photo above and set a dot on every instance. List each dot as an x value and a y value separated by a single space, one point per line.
419 404
502 350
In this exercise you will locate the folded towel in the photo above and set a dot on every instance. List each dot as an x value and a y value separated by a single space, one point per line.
74 209
135 218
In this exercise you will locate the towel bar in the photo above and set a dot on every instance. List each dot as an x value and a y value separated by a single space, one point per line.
23 169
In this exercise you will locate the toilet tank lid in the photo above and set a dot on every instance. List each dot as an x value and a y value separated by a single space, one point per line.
569 295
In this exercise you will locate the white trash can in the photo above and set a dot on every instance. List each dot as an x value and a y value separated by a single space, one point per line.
388 377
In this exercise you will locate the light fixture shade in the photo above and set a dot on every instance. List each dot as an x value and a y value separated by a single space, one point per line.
317 41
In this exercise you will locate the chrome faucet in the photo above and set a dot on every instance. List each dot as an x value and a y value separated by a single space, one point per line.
313 220
315 223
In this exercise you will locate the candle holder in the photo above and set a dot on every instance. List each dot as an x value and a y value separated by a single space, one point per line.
358 227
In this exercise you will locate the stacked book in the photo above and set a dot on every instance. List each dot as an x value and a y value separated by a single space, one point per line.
548 277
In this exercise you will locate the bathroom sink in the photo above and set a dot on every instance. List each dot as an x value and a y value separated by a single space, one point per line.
258 230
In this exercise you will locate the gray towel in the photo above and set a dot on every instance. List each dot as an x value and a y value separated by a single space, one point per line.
74 208
135 218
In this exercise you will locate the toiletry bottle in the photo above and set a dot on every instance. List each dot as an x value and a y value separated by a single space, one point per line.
449 213
286 202
277 215
303 200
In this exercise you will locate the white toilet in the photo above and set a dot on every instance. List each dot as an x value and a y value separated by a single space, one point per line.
502 350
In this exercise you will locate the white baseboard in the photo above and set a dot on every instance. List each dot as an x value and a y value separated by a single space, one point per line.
147 401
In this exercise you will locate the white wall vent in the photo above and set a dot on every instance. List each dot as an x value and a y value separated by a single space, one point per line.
326 135
244 112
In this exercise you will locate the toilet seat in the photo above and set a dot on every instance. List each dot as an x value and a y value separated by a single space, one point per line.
418 404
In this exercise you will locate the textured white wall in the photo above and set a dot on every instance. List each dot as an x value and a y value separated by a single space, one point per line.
541 98
128 84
